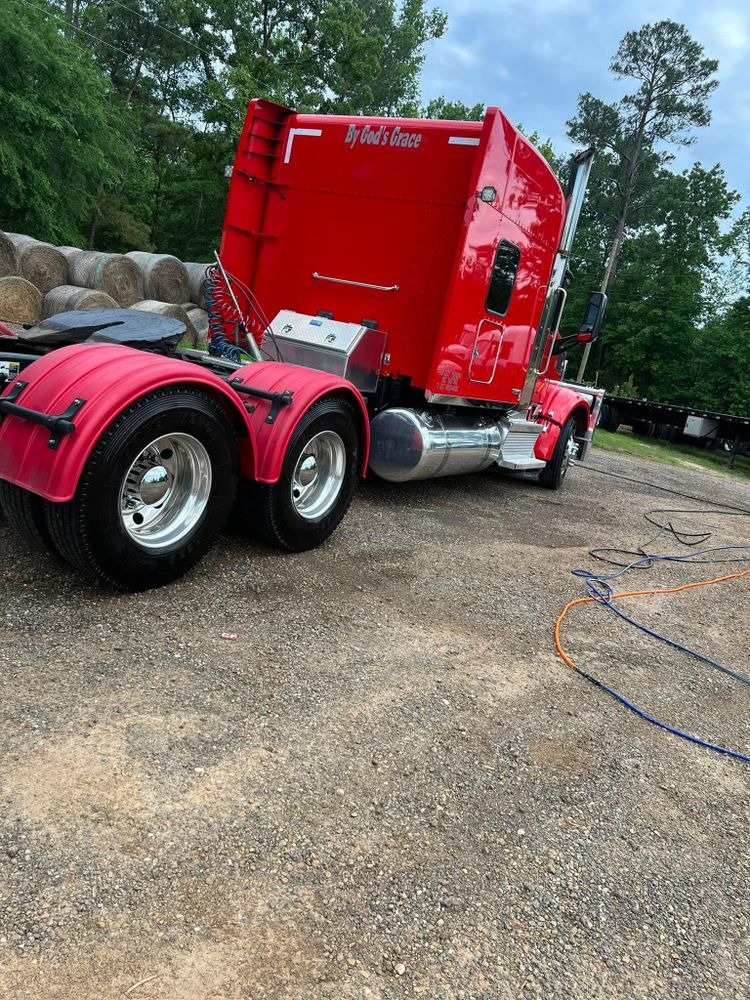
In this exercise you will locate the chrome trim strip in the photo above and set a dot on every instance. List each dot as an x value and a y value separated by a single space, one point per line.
357 284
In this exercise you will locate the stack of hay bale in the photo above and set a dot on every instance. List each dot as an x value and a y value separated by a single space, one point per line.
38 280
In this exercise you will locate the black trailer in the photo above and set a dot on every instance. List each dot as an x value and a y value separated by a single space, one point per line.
688 424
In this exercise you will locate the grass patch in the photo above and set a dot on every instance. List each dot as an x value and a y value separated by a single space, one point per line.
684 455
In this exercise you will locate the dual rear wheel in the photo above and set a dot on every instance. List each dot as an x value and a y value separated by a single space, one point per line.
163 479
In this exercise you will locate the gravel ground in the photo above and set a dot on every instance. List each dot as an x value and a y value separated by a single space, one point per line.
363 771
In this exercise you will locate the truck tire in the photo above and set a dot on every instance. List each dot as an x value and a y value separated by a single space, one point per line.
553 474
317 481
154 494
609 418
25 514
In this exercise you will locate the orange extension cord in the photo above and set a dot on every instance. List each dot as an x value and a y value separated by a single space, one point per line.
632 593
624 701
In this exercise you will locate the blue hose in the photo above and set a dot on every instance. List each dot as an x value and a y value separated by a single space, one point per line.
604 597
601 593
219 344
663 725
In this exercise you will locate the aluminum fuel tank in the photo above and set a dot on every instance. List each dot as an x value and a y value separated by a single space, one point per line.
411 444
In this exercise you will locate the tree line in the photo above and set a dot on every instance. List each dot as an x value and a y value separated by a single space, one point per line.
118 118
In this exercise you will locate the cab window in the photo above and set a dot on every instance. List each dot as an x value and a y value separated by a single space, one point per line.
503 277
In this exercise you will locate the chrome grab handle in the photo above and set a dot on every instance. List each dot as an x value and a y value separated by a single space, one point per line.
357 284
545 368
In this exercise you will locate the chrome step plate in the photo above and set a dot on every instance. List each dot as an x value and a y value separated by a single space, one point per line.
517 453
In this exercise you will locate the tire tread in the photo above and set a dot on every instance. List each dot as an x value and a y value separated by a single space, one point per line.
258 500
25 513
550 477
66 521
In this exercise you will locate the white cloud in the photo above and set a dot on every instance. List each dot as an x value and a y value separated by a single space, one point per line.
534 57
726 34
464 54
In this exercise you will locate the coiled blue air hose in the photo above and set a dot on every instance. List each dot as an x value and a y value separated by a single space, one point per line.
601 593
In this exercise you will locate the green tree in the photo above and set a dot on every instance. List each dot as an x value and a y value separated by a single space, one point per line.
737 276
439 107
61 139
328 56
723 377
183 71
665 291
337 56
673 83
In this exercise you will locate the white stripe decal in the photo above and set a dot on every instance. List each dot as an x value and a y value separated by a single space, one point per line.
460 140
298 131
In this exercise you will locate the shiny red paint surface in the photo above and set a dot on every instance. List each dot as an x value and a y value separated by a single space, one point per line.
111 377
272 440
480 355
555 404
394 202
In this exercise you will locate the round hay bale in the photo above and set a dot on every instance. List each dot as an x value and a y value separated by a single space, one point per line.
20 301
196 276
175 312
112 273
40 263
68 298
164 277
199 319
8 256
70 254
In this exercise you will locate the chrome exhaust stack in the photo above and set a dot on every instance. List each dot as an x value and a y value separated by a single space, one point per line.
577 186
554 302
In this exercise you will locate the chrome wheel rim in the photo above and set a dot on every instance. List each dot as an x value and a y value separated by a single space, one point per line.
319 475
165 491
570 450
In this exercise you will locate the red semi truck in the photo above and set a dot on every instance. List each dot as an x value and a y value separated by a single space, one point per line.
387 295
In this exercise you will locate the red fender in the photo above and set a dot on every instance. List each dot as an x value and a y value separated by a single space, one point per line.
109 378
557 403
307 387
545 443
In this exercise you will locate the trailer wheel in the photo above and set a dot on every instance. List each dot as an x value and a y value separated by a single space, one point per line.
609 418
553 474
317 481
155 493
25 514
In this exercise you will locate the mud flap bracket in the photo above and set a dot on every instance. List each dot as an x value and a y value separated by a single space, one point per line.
59 425
278 399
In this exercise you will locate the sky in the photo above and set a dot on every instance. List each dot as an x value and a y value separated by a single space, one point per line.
532 58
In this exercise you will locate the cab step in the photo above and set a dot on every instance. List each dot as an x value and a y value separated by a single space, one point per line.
517 453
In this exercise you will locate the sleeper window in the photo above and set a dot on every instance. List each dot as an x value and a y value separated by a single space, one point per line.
503 277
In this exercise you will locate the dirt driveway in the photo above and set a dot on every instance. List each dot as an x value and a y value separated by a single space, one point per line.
363 771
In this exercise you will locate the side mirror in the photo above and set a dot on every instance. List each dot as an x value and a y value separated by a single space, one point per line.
593 317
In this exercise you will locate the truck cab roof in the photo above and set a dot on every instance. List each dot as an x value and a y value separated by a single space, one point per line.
442 233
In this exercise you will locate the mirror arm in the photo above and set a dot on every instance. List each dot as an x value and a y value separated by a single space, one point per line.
564 343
